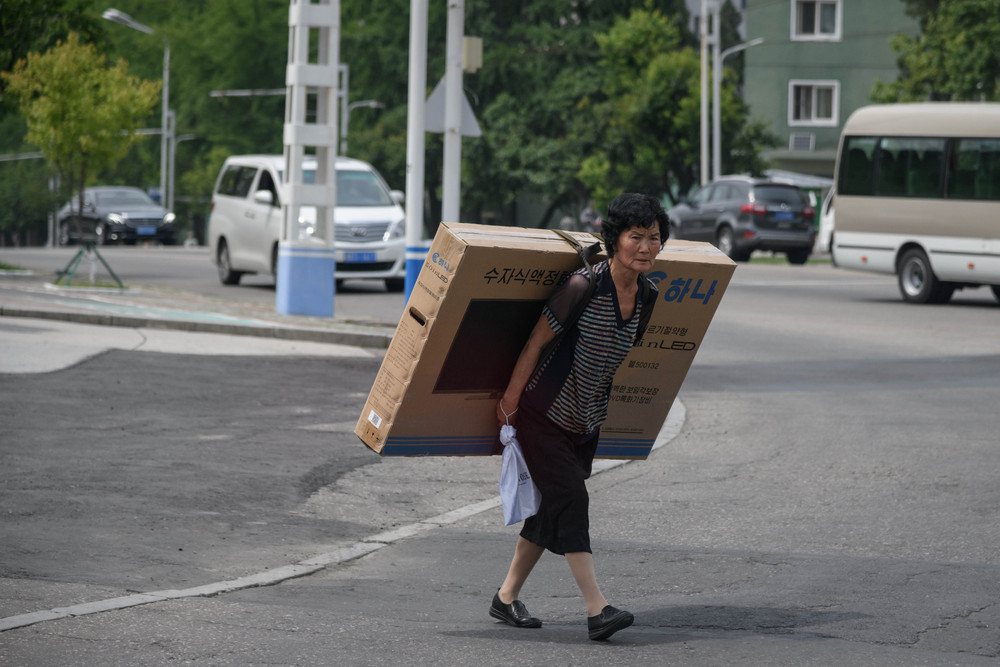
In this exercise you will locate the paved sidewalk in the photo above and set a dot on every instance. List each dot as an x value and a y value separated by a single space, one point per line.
26 294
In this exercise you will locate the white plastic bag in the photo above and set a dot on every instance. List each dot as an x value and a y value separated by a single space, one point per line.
518 492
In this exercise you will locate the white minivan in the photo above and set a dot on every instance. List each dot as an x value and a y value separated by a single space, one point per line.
244 225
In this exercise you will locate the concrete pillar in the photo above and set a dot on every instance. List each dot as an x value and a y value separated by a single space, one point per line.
306 263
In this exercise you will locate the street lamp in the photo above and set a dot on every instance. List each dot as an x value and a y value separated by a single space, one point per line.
346 117
716 102
116 16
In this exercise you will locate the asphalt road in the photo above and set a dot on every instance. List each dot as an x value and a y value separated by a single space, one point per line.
830 499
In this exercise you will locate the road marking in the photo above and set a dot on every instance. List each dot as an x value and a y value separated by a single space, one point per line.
671 427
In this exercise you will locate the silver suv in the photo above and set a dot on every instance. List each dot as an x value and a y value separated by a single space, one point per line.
740 214
244 226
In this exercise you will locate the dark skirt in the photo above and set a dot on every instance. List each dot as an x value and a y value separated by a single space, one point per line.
560 461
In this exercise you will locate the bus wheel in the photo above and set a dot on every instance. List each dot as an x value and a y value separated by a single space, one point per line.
917 282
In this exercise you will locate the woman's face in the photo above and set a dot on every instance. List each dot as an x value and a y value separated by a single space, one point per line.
638 247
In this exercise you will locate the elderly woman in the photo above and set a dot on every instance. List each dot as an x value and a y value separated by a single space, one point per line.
559 407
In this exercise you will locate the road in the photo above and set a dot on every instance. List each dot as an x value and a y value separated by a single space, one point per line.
830 498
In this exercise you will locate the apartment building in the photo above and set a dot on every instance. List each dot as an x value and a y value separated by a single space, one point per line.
818 63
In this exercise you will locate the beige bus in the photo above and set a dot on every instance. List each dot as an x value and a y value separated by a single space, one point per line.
918 196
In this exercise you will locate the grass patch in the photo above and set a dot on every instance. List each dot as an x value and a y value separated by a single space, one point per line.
8 267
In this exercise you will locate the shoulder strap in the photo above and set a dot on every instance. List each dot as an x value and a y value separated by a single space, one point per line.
585 253
647 292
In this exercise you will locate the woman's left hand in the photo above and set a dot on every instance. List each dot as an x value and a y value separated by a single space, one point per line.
504 413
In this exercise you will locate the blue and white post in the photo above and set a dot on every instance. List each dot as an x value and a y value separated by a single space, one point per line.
306 262
416 251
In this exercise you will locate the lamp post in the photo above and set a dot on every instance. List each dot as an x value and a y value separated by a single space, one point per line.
717 105
346 117
116 16
706 40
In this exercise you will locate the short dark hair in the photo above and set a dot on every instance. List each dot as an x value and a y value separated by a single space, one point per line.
632 210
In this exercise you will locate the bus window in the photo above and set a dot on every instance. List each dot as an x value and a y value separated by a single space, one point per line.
910 167
975 170
856 177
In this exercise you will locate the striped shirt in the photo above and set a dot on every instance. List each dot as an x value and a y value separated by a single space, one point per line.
573 386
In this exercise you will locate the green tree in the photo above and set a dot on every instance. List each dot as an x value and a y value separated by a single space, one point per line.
538 98
80 112
921 10
36 25
26 201
957 57
652 111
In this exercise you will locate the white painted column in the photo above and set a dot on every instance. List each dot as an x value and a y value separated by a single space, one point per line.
716 92
306 263
415 143
452 178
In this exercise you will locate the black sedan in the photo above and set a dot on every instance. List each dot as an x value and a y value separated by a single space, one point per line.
115 214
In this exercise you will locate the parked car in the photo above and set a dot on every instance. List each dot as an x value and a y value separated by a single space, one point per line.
244 226
115 214
740 214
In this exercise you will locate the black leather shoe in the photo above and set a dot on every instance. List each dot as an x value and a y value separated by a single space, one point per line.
514 613
608 622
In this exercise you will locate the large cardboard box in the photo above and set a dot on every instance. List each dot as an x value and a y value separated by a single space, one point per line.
478 295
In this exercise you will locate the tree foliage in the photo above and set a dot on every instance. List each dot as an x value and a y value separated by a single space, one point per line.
651 115
558 122
540 93
79 111
956 58
36 25
921 10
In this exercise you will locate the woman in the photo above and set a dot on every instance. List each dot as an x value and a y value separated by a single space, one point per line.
559 408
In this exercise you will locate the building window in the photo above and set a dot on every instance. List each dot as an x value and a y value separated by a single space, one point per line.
813 102
816 20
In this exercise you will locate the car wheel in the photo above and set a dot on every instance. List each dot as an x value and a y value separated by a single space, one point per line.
917 282
798 256
996 291
226 274
395 284
274 265
725 241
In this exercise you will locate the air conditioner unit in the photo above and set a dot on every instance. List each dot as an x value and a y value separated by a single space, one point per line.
801 141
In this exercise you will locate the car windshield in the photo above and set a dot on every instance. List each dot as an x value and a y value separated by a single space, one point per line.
778 194
123 198
355 188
